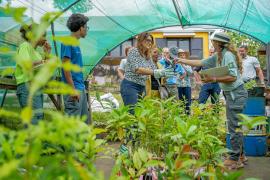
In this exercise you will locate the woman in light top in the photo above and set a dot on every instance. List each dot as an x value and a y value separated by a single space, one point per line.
138 66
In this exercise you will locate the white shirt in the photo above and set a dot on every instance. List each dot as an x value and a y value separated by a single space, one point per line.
122 65
250 64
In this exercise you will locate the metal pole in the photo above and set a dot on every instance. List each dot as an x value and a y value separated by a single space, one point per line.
3 98
54 42
177 12
268 62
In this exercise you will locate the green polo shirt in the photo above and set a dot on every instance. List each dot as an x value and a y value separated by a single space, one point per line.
228 60
25 54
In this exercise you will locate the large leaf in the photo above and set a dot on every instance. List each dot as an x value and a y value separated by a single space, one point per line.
143 155
8 167
137 161
67 40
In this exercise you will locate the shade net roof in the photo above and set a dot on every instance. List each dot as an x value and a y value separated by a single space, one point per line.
114 21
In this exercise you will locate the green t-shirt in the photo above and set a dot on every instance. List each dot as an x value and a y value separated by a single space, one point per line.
228 60
25 54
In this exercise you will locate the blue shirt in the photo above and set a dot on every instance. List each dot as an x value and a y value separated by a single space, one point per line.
74 54
178 69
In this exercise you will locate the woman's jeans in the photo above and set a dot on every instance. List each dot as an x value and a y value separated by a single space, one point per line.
235 102
37 103
131 92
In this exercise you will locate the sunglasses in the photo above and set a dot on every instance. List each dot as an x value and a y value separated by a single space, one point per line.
149 40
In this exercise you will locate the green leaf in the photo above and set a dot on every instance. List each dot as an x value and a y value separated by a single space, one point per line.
4 49
99 130
8 167
16 13
58 87
141 172
131 171
43 76
9 114
7 149
136 161
7 71
143 155
67 40
26 114
68 66
191 130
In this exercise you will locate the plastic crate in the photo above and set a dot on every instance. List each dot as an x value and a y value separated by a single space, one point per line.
255 106
253 145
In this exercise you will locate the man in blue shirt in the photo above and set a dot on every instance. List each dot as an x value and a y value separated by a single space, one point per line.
75 104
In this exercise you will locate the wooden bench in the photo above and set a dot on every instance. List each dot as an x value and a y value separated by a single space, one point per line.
9 83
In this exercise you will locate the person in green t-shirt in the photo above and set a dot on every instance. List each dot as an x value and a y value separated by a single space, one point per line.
234 91
27 54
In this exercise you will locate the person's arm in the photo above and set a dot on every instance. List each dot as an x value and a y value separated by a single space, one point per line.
69 79
260 74
144 71
224 79
66 52
230 62
258 69
191 62
47 50
120 73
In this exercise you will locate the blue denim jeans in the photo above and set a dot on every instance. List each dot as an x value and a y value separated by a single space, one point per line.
131 92
77 108
209 89
184 94
22 94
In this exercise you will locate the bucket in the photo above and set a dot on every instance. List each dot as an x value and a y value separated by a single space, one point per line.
253 145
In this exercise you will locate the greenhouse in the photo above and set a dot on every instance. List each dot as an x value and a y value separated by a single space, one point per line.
134 89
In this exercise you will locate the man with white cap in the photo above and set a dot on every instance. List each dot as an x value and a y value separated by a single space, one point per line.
233 88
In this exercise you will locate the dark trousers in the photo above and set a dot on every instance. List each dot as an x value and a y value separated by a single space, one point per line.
235 102
77 108
209 89
131 92
184 94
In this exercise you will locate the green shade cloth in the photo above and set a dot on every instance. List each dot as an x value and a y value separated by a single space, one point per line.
114 21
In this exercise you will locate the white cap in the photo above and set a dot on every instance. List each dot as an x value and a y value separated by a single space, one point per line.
221 37
181 51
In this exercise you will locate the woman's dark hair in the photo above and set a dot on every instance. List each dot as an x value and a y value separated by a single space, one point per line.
76 21
24 30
